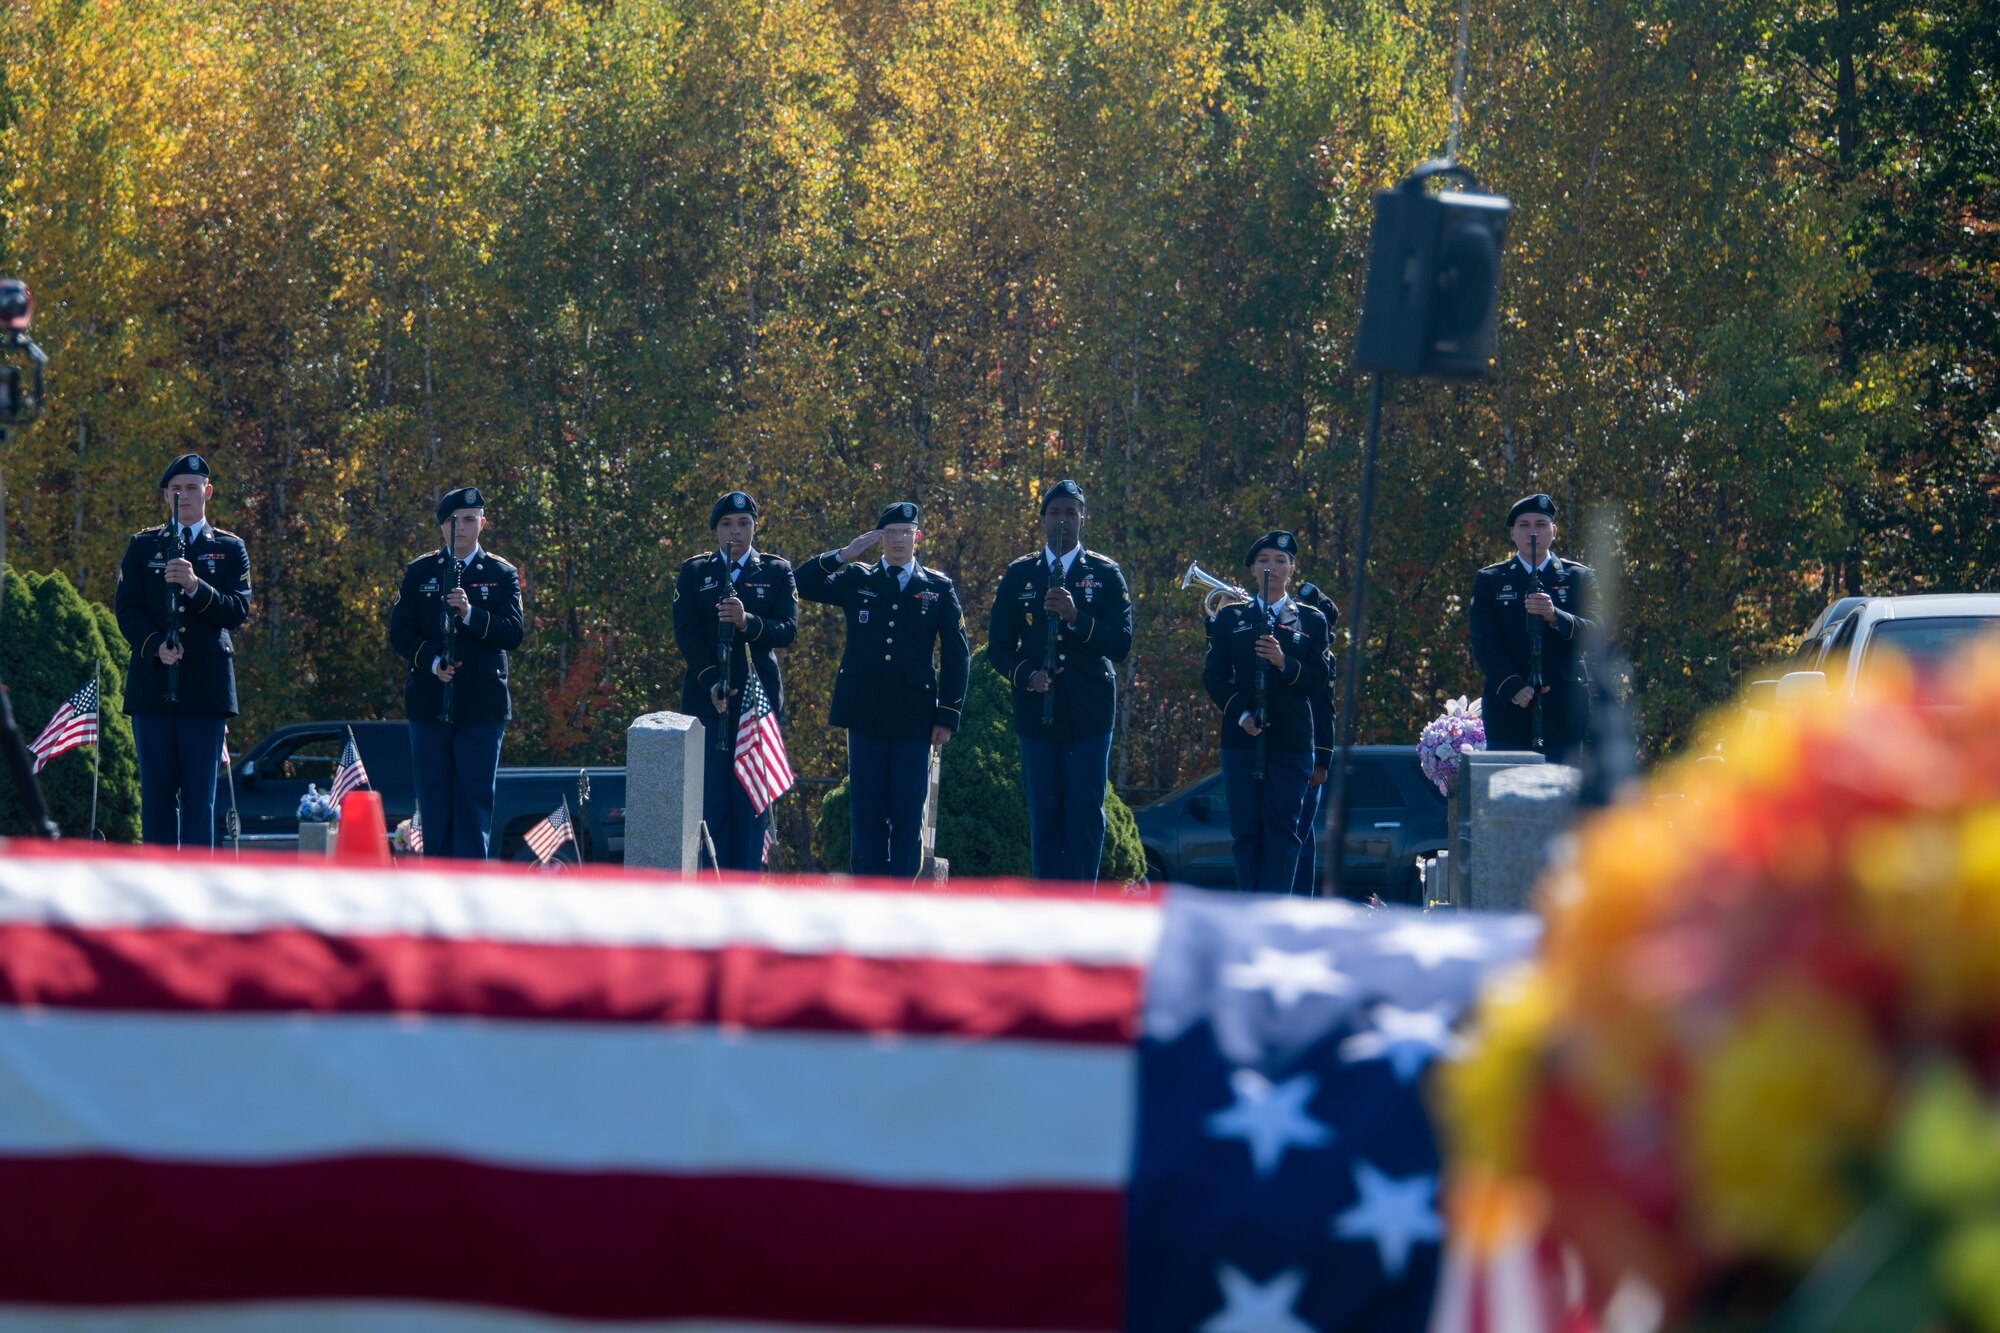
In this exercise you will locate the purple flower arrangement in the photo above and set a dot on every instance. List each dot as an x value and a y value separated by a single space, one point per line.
1446 738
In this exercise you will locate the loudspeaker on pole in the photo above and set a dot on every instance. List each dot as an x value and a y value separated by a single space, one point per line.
1433 278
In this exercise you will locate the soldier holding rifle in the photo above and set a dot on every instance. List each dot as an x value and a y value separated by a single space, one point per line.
1267 733
456 618
1530 615
1061 621
734 606
182 587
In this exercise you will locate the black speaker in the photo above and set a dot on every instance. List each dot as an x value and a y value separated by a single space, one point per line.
1433 278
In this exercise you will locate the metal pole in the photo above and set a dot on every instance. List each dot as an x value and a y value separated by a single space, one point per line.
97 750
1357 628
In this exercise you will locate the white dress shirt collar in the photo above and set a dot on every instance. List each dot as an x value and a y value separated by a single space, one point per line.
1050 557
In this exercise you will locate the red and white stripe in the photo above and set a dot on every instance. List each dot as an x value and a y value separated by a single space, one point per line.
264 1095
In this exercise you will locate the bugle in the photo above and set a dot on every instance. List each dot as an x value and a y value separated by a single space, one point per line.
1220 593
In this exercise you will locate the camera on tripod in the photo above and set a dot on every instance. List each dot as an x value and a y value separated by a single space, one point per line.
23 365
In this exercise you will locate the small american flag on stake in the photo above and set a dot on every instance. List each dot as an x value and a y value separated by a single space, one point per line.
349 774
545 837
74 724
761 764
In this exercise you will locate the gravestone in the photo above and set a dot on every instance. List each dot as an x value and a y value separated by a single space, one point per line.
1458 831
929 868
316 837
1518 812
664 754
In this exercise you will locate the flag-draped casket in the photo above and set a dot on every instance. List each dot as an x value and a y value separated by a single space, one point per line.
277 1095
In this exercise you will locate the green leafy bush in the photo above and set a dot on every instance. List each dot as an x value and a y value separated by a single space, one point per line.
983 825
51 639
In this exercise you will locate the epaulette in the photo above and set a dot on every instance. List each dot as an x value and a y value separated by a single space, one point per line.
500 561
934 573
1032 558
1497 565
1099 555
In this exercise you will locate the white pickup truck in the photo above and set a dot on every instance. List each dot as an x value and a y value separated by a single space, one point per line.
1923 630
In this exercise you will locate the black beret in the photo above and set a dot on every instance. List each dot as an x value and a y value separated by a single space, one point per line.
1311 594
734 502
465 497
1064 489
1273 541
187 465
906 512
1531 504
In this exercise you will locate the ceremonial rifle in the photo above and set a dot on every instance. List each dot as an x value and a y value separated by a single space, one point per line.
174 609
1264 674
450 624
1535 644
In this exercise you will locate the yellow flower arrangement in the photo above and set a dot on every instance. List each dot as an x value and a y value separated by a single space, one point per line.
1767 1011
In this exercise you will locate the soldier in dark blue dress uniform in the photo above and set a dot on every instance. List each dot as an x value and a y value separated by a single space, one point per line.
752 592
1289 642
1305 883
1080 597
901 683
207 572
1504 601
457 760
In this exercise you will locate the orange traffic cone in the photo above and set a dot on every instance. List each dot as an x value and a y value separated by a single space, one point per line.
364 835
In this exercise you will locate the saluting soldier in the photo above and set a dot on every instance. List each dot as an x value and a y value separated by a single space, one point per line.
1274 634
1534 592
471 595
1079 598
180 695
1305 883
901 683
751 592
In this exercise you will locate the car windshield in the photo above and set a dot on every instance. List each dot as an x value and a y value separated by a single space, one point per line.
1923 643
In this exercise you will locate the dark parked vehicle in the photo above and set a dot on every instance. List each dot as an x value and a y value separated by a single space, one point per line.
273 774
1394 816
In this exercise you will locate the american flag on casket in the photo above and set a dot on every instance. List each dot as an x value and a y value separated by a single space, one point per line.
271 1096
